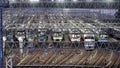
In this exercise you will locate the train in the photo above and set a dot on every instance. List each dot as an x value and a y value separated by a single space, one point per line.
10 37
89 41
42 36
57 36
89 38
75 37
103 37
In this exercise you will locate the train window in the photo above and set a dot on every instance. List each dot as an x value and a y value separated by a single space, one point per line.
75 35
41 33
57 34
20 33
89 37
104 36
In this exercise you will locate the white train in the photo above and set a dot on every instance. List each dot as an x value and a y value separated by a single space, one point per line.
57 36
75 37
89 41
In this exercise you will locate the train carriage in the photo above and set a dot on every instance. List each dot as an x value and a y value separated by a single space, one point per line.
57 36
103 37
42 35
89 40
75 37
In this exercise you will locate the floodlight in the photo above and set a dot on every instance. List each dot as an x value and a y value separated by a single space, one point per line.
61 1
75 0
12 1
34 1
109 1
89 0
52 0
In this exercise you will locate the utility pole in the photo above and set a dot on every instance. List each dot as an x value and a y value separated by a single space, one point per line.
1 35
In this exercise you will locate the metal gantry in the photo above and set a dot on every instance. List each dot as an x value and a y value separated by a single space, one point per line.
9 63
66 3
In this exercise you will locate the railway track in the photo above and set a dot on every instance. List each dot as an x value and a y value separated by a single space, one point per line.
33 60
27 59
75 59
87 54
98 57
101 60
118 61
60 56
112 59
95 57
66 58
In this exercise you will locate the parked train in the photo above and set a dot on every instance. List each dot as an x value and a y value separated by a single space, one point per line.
103 37
42 36
57 36
89 41
89 38
75 37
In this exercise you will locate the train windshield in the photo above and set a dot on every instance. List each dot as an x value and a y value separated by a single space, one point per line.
89 37
103 36
57 34
75 36
20 33
42 33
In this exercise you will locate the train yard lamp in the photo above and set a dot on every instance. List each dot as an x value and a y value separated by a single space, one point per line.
89 0
75 0
34 1
60 1
109 1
